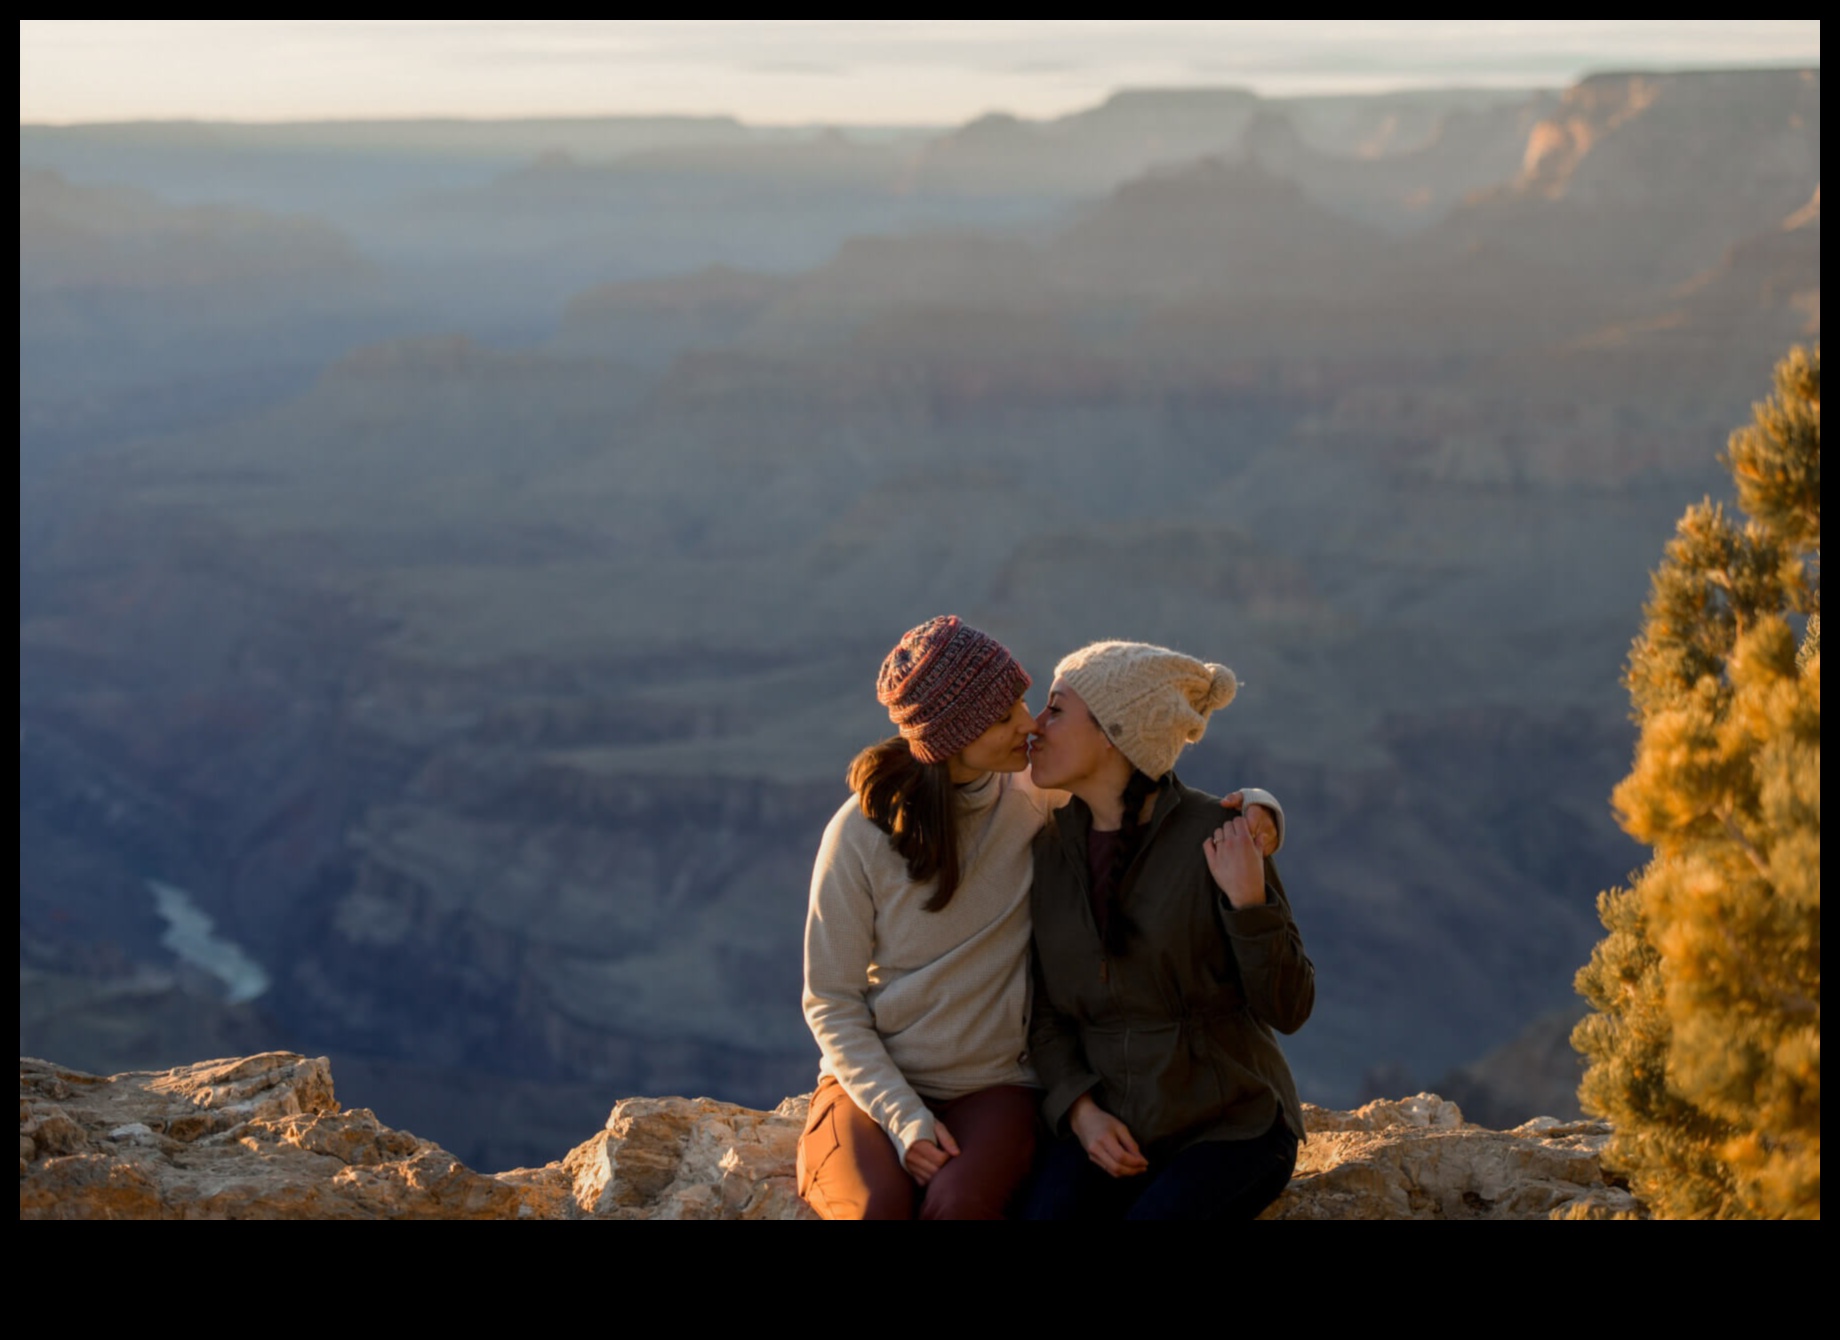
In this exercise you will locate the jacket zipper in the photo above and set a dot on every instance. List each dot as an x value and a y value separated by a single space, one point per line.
1083 877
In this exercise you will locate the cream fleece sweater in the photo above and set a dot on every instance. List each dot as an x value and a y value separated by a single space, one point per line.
908 1004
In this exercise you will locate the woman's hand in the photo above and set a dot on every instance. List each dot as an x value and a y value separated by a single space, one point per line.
1235 862
1106 1140
926 1157
1258 818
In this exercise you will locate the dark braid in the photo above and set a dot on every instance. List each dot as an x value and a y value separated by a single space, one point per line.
1130 838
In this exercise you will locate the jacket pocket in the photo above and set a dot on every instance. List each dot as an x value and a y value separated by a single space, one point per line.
1233 1066
1171 1089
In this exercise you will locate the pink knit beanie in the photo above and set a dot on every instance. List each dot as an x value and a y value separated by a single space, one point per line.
945 684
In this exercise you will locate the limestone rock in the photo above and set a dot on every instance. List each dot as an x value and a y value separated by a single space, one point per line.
1418 1159
263 1137
675 1158
260 1137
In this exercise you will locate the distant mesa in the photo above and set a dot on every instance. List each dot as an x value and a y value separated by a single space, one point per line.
1216 226
1203 99
1087 152
989 124
101 237
590 137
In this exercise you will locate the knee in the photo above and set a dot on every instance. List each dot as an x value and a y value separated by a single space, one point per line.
859 1198
991 1189
888 1201
843 1177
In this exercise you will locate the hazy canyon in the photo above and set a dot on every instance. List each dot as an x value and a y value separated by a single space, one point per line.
454 558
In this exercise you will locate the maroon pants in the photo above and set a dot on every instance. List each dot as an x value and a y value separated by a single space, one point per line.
848 1167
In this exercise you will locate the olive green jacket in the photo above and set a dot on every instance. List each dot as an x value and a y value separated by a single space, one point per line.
1174 1036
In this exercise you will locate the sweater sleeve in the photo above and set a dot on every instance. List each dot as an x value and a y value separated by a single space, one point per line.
1279 979
839 947
1253 795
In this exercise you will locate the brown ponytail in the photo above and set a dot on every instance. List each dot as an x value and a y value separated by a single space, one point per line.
914 803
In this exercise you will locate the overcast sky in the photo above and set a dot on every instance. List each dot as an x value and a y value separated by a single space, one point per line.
889 71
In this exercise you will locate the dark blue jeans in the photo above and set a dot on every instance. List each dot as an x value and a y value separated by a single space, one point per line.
1215 1179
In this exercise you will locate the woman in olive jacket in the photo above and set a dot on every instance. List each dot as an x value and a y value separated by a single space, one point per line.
1165 957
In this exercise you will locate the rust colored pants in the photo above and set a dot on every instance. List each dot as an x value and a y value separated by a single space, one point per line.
848 1168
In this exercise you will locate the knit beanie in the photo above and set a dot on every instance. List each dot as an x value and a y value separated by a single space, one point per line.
1151 702
945 684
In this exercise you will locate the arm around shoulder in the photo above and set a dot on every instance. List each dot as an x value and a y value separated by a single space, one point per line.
1255 795
1279 979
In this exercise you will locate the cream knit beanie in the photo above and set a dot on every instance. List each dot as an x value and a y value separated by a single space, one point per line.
1151 702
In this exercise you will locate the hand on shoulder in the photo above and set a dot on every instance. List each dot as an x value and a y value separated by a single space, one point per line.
1260 818
1235 861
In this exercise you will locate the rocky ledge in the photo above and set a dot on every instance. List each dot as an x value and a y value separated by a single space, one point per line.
263 1137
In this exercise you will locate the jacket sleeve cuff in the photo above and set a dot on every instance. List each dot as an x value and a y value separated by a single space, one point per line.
1060 1099
1253 795
1250 923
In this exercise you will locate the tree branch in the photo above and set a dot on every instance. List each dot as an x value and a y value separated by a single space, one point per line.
1748 847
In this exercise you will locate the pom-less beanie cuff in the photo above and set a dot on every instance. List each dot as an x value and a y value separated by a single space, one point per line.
1151 702
945 684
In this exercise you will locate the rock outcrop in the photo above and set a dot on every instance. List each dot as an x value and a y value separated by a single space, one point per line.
260 1137
263 1137
1418 1159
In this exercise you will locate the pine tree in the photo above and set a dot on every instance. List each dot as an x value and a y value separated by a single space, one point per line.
1705 1048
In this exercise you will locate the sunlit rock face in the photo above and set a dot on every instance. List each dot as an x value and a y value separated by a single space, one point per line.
1417 1158
262 1137
1670 168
